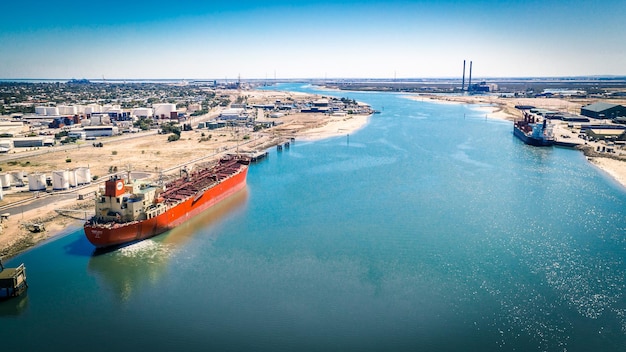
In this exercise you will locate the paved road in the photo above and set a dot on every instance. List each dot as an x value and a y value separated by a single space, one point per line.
34 203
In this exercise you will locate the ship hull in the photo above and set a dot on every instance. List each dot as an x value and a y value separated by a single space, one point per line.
119 234
538 142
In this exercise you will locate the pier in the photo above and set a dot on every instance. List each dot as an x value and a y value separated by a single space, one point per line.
284 144
257 156
12 281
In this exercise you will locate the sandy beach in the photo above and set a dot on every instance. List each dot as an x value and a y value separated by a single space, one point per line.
150 154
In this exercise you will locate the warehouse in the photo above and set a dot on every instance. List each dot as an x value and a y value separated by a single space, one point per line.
30 142
603 111
100 131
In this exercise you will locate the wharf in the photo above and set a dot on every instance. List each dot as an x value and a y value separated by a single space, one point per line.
13 281
285 144
566 144
257 156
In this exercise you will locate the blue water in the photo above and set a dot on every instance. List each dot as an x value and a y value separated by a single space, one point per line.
431 229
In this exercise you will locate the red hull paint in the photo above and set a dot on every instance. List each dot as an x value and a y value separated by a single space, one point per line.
118 234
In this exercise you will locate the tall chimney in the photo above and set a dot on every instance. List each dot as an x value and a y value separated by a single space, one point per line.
463 83
469 85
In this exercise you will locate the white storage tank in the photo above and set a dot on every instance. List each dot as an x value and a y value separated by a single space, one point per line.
40 110
5 179
142 112
163 110
72 178
17 177
92 108
60 180
83 176
52 111
37 182
67 110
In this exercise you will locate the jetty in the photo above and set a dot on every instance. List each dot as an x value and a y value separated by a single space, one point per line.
257 156
12 281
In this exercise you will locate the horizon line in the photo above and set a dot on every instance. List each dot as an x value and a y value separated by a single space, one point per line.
392 79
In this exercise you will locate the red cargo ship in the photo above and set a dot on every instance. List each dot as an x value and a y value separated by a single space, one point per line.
133 211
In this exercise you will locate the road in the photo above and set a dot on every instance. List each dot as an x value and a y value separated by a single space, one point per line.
44 150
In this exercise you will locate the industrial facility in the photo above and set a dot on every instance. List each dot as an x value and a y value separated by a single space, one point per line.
481 87
603 111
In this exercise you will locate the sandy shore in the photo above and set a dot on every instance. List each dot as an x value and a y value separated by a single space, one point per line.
615 168
504 108
150 154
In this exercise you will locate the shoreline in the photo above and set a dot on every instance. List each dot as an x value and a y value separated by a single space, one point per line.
496 109
15 239
301 127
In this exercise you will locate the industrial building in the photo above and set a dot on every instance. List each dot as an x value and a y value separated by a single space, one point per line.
30 142
233 114
100 131
78 134
603 111
13 128
602 134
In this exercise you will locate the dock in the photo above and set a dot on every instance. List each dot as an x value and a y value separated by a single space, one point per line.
284 144
12 281
566 144
257 156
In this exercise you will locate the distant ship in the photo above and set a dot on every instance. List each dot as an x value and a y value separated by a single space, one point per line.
130 211
532 132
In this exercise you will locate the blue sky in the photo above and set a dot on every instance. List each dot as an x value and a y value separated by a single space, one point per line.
187 39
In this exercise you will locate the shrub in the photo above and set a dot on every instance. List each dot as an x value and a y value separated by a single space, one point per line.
114 152
68 160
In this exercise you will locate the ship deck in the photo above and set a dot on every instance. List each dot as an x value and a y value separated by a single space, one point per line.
197 181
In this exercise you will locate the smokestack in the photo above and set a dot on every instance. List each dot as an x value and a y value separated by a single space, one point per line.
469 85
463 83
